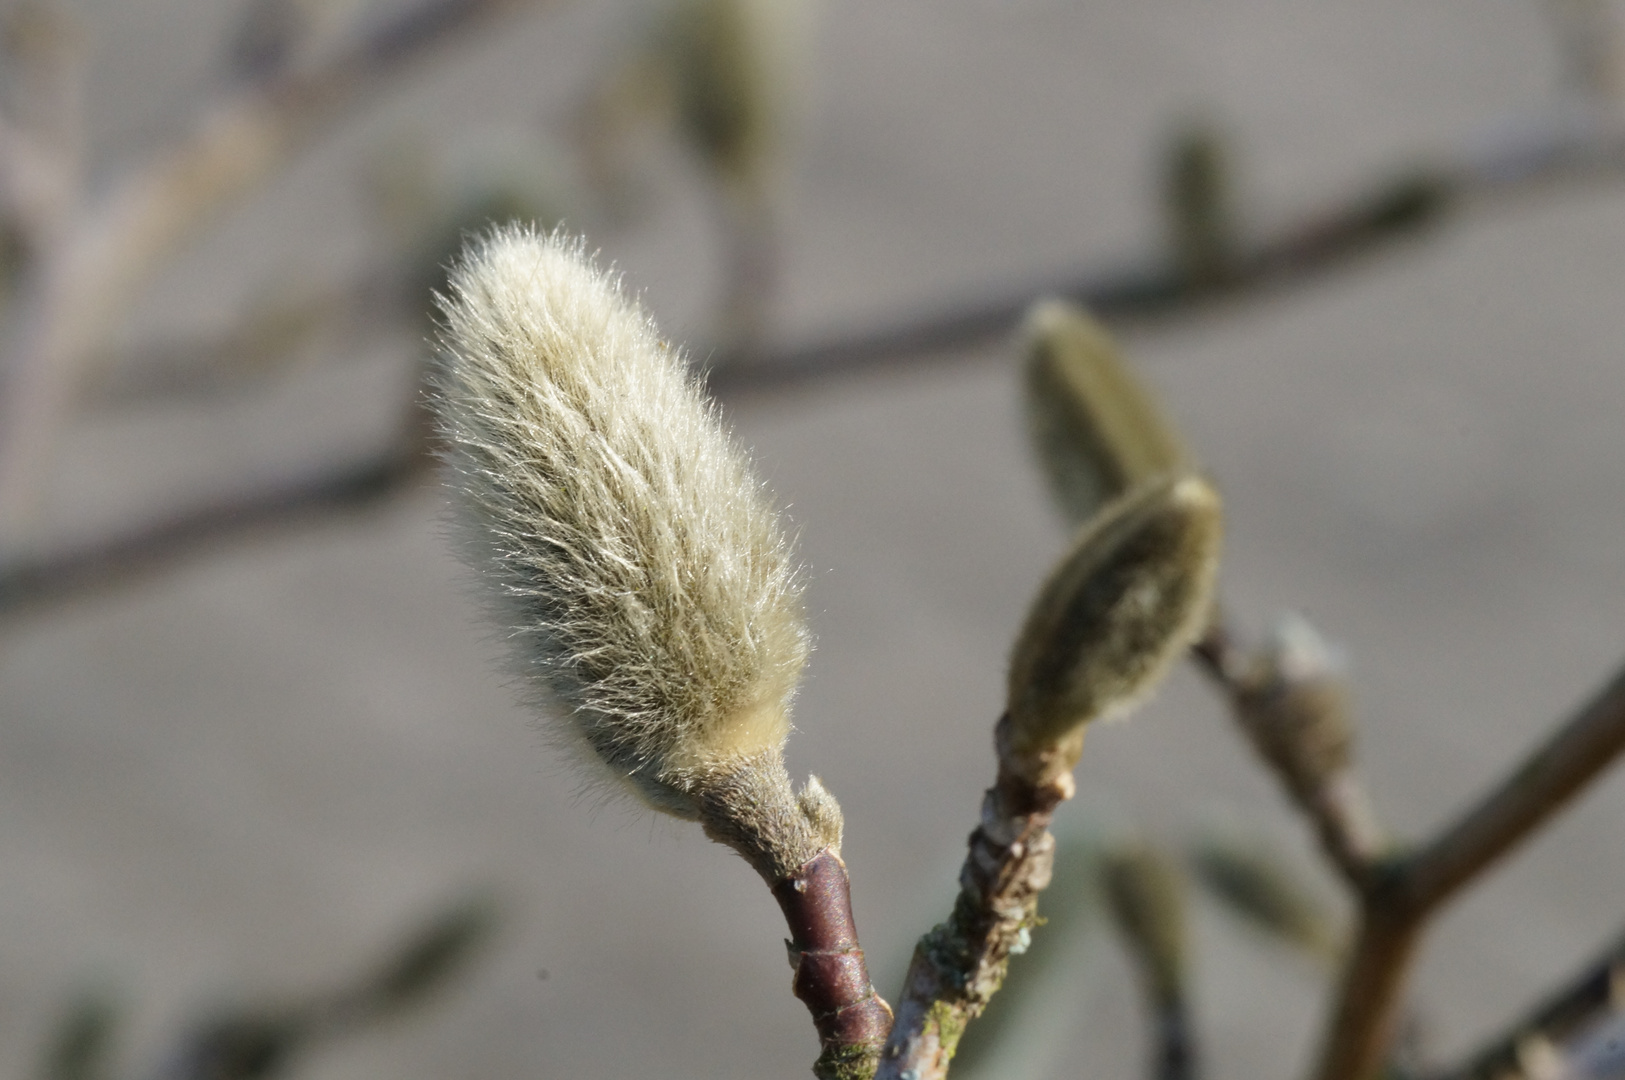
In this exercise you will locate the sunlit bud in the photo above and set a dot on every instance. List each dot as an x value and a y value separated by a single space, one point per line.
1097 430
648 591
1134 591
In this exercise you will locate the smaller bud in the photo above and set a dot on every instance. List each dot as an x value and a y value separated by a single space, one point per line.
82 1044
729 60
822 812
1121 607
1260 888
1096 429
1145 893
1196 193
1294 704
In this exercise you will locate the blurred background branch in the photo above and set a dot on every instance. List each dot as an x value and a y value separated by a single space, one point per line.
255 1042
1551 1039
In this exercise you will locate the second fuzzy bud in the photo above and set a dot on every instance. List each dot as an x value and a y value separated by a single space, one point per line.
1133 592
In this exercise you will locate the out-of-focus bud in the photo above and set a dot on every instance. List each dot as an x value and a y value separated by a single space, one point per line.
1145 893
731 61
1134 591
1096 429
1260 888
1294 704
81 1047
1196 194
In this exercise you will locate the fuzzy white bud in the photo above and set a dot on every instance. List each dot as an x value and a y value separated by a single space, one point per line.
650 593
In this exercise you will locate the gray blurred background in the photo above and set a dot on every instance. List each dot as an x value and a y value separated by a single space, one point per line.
246 775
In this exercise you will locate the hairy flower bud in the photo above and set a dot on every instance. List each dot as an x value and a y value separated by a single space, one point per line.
1125 602
650 594
1096 429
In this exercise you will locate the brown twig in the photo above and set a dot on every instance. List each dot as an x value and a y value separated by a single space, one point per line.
1400 896
1174 1042
1540 787
1314 245
961 963
1366 1011
831 977
1587 1000
1294 722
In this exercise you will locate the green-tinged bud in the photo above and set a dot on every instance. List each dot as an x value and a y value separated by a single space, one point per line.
1196 194
1294 704
1134 591
1146 895
1097 430
1260 887
81 1047
729 61
650 593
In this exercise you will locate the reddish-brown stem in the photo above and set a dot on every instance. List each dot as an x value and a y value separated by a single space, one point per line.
831 977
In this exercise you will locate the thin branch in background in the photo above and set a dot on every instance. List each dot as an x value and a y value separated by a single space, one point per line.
357 485
1587 1001
1403 893
42 134
257 1043
1401 205
74 293
1146 896
1539 788
1154 290
1320 244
